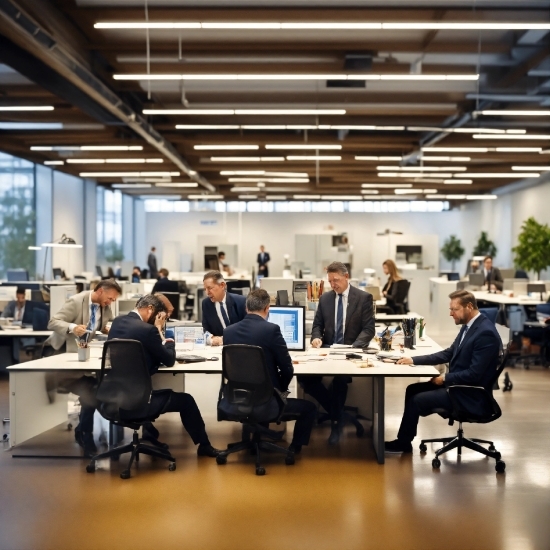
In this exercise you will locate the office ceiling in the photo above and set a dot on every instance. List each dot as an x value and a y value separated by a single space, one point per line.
280 99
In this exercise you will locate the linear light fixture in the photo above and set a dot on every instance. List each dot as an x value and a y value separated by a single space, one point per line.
533 168
369 191
314 157
518 149
444 159
115 161
303 146
226 147
30 126
242 189
464 130
131 185
34 248
248 197
497 112
208 127
458 182
500 175
304 76
382 159
53 162
87 148
455 149
247 159
264 173
422 168
244 111
463 197
306 197
414 174
545 137
205 197
21 108
385 185
341 198
126 174
176 184
275 197
320 25
269 180
414 191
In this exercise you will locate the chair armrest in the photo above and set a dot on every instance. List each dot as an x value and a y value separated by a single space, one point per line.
477 393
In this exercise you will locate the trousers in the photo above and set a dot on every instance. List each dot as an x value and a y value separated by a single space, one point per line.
331 399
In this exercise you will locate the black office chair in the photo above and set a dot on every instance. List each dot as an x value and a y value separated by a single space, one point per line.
247 396
490 312
174 298
521 274
399 301
492 412
124 386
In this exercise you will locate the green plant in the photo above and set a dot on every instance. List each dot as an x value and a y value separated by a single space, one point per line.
452 250
484 246
533 250
112 252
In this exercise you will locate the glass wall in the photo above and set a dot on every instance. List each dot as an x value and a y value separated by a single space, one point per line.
109 226
17 214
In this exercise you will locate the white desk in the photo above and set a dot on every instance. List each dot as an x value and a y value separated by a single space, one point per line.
23 332
504 300
31 412
396 316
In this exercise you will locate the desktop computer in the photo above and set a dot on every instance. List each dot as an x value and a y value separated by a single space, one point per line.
292 322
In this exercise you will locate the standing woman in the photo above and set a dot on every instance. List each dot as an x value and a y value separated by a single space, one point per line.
390 288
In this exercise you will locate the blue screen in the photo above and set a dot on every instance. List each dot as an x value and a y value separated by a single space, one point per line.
291 322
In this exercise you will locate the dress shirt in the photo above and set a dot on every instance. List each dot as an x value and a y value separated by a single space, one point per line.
345 295
97 315
18 313
218 305
468 327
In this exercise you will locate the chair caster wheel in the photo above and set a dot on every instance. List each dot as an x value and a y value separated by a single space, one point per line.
492 448
423 447
436 463
125 474
90 468
221 459
290 460
500 466
172 466
260 471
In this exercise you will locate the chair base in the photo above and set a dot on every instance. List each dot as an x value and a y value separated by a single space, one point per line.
450 443
255 446
136 448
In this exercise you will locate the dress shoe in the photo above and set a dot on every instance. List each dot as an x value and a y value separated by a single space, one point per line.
397 446
207 450
296 449
86 441
149 430
334 434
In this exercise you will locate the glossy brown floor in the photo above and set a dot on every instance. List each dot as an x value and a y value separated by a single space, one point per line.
333 498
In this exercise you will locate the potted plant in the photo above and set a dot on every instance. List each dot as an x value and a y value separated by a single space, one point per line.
532 252
484 246
452 250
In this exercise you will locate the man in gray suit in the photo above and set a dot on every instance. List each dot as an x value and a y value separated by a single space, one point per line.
152 264
83 313
16 308
344 316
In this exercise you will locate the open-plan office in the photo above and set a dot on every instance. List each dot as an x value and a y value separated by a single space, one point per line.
370 178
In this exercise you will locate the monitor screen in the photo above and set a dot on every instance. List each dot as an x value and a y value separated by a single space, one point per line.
292 322
476 279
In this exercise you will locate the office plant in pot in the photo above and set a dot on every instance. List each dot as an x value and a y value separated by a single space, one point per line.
485 246
532 252
452 250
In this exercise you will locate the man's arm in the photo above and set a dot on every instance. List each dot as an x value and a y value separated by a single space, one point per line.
367 323
61 321
497 279
161 353
318 327
284 363
438 358
205 323
9 310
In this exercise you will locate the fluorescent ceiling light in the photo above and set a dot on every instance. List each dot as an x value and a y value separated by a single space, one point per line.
264 127
480 197
423 168
226 147
495 112
385 185
269 180
264 173
205 197
87 148
302 146
444 159
341 198
31 126
313 157
248 197
244 111
207 127
247 159
16 108
115 161
131 185
455 149
61 245
276 197
414 175
34 247
239 189
306 197
176 184
518 149
532 168
369 191
53 162
545 137
126 174
458 182
383 159
161 197
414 191
500 175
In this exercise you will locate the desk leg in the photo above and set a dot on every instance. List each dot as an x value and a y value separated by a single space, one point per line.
378 387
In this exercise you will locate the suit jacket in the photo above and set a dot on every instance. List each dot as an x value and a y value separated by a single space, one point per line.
236 308
165 285
473 363
495 277
152 264
265 270
256 331
359 328
75 310
9 310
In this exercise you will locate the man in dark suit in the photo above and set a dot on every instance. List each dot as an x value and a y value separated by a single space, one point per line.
220 308
164 284
493 276
344 316
473 359
152 264
16 309
145 324
255 330
263 260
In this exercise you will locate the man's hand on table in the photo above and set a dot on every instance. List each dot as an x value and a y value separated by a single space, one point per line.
79 330
405 361
316 343
437 380
217 340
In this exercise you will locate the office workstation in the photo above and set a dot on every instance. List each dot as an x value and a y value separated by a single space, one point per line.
266 259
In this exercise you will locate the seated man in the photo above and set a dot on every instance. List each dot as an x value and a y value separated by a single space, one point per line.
136 274
15 309
223 267
344 316
254 330
164 284
473 358
220 308
145 324
493 277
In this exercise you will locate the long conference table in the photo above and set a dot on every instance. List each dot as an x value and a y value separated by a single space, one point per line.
32 413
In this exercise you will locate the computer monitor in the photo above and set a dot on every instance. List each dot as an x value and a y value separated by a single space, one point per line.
292 322
476 279
57 273
16 275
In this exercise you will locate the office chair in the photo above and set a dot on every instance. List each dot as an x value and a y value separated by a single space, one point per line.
521 274
247 396
490 312
174 298
457 413
124 385
398 302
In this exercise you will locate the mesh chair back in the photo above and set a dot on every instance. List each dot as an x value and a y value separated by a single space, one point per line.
246 380
124 381
490 312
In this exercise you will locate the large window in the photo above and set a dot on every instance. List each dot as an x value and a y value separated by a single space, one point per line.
17 214
109 226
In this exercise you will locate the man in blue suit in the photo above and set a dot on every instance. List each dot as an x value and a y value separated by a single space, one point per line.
473 359
220 308
255 330
263 260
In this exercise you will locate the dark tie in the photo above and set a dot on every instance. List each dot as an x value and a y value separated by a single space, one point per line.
224 315
465 330
339 337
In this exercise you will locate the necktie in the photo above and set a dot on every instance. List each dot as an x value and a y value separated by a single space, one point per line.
18 314
224 315
463 335
93 314
339 337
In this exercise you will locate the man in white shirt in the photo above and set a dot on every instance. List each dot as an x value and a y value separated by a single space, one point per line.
16 308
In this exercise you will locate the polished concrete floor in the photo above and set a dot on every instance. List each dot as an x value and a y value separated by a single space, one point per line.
332 498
